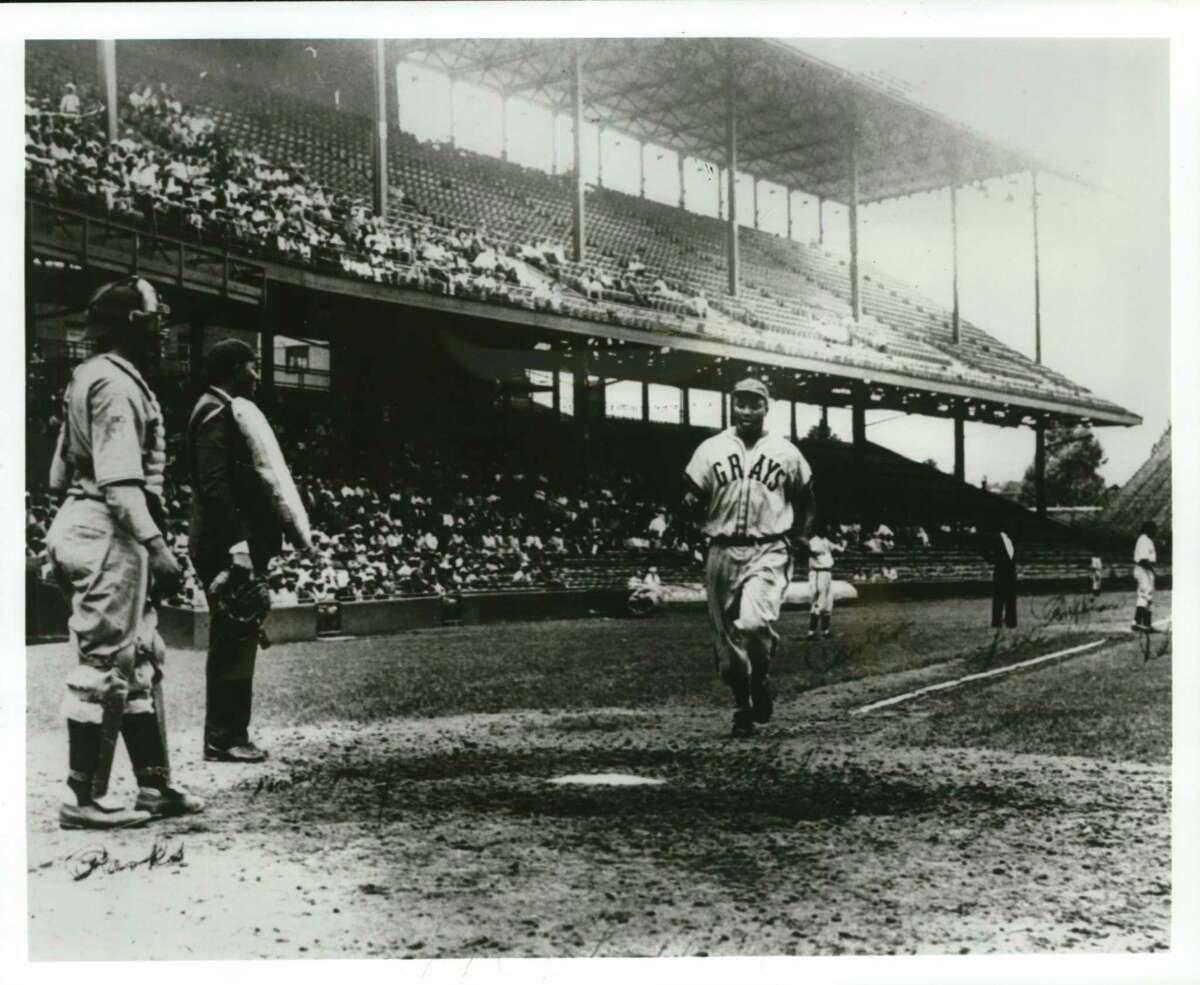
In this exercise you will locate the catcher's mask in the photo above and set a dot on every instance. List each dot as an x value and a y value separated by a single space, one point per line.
130 309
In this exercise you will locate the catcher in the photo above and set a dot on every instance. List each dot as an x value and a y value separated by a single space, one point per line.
108 555
243 501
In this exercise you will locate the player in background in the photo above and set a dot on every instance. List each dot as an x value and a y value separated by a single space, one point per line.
1097 574
108 554
1144 559
755 488
820 579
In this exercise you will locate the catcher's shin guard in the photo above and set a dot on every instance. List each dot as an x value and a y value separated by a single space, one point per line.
144 741
110 733
83 745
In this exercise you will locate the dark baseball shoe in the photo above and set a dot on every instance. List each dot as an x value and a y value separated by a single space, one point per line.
762 700
245 752
811 634
743 724
98 817
171 802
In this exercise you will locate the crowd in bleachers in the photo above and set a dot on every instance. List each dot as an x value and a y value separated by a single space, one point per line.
176 170
446 521
286 179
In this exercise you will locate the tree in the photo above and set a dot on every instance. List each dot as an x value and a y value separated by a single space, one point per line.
821 432
1073 458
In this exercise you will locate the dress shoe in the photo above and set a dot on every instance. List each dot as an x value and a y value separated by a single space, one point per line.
245 752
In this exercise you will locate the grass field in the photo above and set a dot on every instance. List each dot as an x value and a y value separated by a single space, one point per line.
408 808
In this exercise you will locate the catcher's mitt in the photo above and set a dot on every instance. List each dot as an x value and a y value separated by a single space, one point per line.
242 598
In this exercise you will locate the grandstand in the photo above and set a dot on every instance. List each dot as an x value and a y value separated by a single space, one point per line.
1146 496
439 278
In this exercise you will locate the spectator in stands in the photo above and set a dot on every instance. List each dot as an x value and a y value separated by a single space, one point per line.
646 595
69 103
922 537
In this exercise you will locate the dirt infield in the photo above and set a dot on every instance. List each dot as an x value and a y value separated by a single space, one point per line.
444 837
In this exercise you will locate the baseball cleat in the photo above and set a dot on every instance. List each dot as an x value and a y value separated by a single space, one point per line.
96 817
828 634
811 634
171 802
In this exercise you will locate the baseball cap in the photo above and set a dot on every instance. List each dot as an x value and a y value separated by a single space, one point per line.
224 356
751 385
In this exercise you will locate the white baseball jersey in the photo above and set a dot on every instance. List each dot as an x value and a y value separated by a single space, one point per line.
750 490
820 554
1143 550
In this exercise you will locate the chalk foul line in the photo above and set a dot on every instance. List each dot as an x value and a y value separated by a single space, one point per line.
996 672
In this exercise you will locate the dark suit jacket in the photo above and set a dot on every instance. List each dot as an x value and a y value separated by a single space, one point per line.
1004 568
229 501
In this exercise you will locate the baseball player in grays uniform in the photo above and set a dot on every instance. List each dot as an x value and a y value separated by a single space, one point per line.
820 580
755 486
1144 559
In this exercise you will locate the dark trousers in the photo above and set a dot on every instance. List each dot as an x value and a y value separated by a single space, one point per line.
1004 602
229 681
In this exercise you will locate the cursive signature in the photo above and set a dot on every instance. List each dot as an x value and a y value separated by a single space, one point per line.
82 864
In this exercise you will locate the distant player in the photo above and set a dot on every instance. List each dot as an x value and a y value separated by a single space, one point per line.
755 487
1097 571
820 580
1144 559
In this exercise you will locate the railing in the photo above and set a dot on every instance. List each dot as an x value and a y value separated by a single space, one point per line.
56 232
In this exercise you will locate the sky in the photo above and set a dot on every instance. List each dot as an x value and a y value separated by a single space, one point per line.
1095 109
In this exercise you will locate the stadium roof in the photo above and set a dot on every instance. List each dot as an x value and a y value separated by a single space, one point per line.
793 110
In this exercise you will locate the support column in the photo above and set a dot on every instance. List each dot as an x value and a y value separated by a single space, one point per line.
645 402
960 461
266 357
450 113
1037 278
721 193
642 168
858 425
106 52
379 159
582 416
955 327
1039 470
755 203
682 184
825 421
792 415
578 230
685 407
504 126
789 213
556 395
1039 454
600 156
554 142
820 220
724 410
196 349
855 300
731 163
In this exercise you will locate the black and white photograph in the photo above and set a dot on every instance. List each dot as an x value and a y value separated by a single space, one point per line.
510 488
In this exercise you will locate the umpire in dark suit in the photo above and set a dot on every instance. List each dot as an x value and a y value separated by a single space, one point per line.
233 525
1002 553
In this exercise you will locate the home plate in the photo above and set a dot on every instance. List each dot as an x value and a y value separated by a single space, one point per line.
607 780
